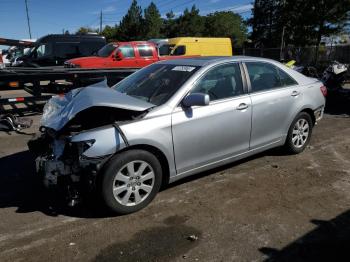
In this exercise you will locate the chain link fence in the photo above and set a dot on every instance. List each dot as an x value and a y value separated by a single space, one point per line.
302 55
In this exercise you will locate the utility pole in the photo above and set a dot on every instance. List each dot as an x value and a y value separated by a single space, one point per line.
282 45
101 22
282 38
30 32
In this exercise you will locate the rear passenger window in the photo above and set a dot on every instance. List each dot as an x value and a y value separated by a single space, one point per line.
263 76
221 82
145 50
286 80
127 51
67 50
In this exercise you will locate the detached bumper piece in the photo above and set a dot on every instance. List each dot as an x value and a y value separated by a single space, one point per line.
319 114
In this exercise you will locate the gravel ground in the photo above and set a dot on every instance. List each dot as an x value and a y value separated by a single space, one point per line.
271 207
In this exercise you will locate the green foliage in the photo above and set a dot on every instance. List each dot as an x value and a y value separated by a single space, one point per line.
169 27
110 32
85 30
153 22
304 22
226 24
131 26
137 26
190 23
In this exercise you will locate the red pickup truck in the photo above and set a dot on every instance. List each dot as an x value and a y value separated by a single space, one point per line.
121 54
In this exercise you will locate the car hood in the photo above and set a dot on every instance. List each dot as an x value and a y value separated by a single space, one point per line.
59 110
81 60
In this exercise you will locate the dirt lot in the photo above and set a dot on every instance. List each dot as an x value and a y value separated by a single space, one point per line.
271 207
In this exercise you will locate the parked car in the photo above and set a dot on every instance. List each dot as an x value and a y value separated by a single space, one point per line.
170 120
201 46
54 50
121 54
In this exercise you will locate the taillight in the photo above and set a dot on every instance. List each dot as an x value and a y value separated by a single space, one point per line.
324 90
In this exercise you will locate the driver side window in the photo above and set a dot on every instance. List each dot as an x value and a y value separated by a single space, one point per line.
221 82
43 50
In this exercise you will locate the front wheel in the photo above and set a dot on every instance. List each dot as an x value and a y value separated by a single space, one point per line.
130 181
299 133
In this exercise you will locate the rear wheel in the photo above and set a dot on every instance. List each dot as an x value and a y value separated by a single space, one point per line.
299 133
130 181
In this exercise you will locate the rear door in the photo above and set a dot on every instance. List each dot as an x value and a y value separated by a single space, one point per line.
65 51
146 55
275 96
204 135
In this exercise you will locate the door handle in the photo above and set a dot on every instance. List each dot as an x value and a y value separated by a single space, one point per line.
295 93
242 106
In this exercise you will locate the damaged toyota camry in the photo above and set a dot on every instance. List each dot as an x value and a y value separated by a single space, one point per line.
170 120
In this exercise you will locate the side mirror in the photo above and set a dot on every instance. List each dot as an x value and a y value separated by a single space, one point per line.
119 56
196 99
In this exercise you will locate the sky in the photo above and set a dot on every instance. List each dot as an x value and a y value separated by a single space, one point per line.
50 17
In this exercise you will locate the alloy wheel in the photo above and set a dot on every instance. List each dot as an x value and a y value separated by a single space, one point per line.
300 133
133 183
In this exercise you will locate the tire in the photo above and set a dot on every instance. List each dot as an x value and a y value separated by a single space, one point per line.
296 140
124 191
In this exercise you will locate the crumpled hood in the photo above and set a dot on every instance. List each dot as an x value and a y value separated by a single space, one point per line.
59 110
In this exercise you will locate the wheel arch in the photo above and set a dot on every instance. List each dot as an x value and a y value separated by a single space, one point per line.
310 112
158 153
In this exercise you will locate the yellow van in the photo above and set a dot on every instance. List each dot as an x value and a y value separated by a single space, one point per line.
202 46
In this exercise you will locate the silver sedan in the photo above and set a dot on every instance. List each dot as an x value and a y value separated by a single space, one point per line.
170 120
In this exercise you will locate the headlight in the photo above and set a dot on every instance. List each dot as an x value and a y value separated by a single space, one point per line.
50 109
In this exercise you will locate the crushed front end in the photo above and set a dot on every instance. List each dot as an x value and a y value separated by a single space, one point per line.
71 163
79 133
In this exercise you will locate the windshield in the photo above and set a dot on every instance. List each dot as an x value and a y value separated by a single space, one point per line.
106 50
40 50
156 83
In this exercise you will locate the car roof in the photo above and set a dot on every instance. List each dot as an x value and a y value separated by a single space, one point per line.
59 37
208 60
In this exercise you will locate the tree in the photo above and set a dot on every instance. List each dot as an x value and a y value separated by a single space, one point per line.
110 33
130 27
190 23
226 24
303 22
153 22
267 22
169 28
85 30
328 17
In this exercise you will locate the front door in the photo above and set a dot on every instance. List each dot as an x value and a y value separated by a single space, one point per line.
207 134
128 57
